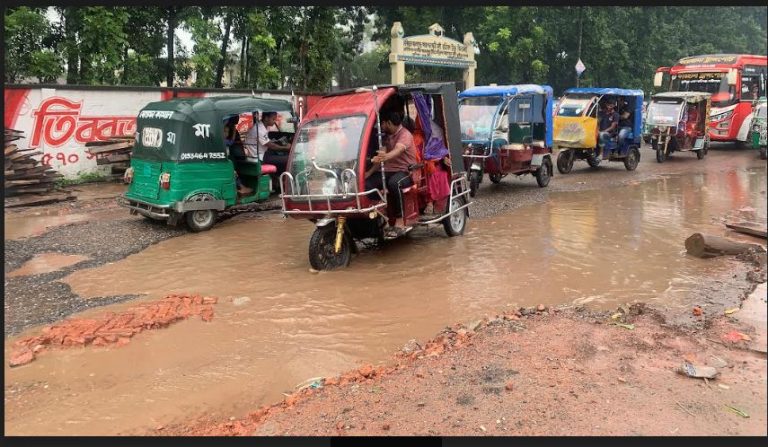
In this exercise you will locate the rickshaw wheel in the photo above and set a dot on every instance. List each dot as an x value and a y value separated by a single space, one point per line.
322 253
454 224
474 182
632 159
660 157
565 161
495 177
544 173
593 160
700 154
200 220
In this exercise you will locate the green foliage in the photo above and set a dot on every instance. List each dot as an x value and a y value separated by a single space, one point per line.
305 47
89 177
26 52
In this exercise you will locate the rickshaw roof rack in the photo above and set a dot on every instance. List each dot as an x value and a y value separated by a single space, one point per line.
688 96
430 87
606 91
221 104
506 90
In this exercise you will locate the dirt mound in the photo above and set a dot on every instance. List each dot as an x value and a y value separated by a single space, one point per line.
113 329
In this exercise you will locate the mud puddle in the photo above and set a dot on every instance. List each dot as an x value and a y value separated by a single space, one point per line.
277 324
45 263
22 225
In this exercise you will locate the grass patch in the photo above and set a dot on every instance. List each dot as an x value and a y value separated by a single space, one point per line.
89 177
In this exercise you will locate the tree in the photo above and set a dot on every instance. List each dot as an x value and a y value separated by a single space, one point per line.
26 55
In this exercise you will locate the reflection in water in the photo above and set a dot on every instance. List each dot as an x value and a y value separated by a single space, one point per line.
604 247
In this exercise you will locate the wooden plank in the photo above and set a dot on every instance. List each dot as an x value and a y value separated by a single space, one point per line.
20 154
31 200
21 182
10 149
110 147
750 228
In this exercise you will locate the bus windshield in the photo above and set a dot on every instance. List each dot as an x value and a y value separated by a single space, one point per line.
715 83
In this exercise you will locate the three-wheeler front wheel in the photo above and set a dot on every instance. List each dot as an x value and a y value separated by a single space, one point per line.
632 159
475 177
565 161
322 250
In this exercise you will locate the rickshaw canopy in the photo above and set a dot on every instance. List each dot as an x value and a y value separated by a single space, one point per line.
606 91
360 101
191 129
540 111
506 90
637 107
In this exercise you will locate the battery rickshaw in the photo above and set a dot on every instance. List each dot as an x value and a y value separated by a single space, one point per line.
181 167
506 129
576 128
679 122
333 149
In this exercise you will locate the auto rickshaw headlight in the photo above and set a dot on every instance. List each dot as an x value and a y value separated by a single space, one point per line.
165 180
128 175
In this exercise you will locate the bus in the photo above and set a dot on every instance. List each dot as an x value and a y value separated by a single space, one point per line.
736 81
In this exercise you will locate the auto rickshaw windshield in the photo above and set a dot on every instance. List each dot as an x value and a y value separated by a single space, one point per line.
574 106
332 143
665 113
476 116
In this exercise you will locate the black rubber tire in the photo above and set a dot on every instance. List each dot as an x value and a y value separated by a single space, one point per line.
632 159
701 153
200 220
593 161
475 177
763 153
495 178
322 255
455 224
544 173
565 161
660 156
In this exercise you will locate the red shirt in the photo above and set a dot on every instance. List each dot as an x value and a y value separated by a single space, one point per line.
407 158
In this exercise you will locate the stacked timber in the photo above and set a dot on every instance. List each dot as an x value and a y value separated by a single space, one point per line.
23 174
115 152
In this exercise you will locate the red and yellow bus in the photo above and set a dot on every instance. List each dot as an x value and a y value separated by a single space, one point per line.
735 81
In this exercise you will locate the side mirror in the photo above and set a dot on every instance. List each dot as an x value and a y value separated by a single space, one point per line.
732 75
658 78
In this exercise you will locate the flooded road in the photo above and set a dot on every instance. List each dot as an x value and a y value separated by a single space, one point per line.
277 324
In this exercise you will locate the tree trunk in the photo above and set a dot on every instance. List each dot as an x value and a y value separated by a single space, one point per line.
242 61
73 58
708 246
169 68
224 45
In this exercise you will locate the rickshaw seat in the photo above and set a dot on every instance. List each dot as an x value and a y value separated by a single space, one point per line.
514 147
268 169
538 143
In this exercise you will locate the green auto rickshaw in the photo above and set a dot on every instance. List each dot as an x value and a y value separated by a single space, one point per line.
759 127
181 166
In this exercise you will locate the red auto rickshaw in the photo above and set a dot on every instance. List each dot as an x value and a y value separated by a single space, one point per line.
332 151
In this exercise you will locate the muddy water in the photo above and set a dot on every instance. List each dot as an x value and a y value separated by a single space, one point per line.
604 247
46 262
34 221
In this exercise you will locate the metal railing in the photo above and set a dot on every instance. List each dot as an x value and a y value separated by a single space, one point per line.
348 177
464 191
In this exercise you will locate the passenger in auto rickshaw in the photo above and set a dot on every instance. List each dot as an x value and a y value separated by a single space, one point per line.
625 120
608 123
398 154
234 143
259 145
691 120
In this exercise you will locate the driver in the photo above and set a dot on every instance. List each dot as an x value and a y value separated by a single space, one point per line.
609 121
398 154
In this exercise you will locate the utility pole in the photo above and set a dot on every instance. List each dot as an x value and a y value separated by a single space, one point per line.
578 57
